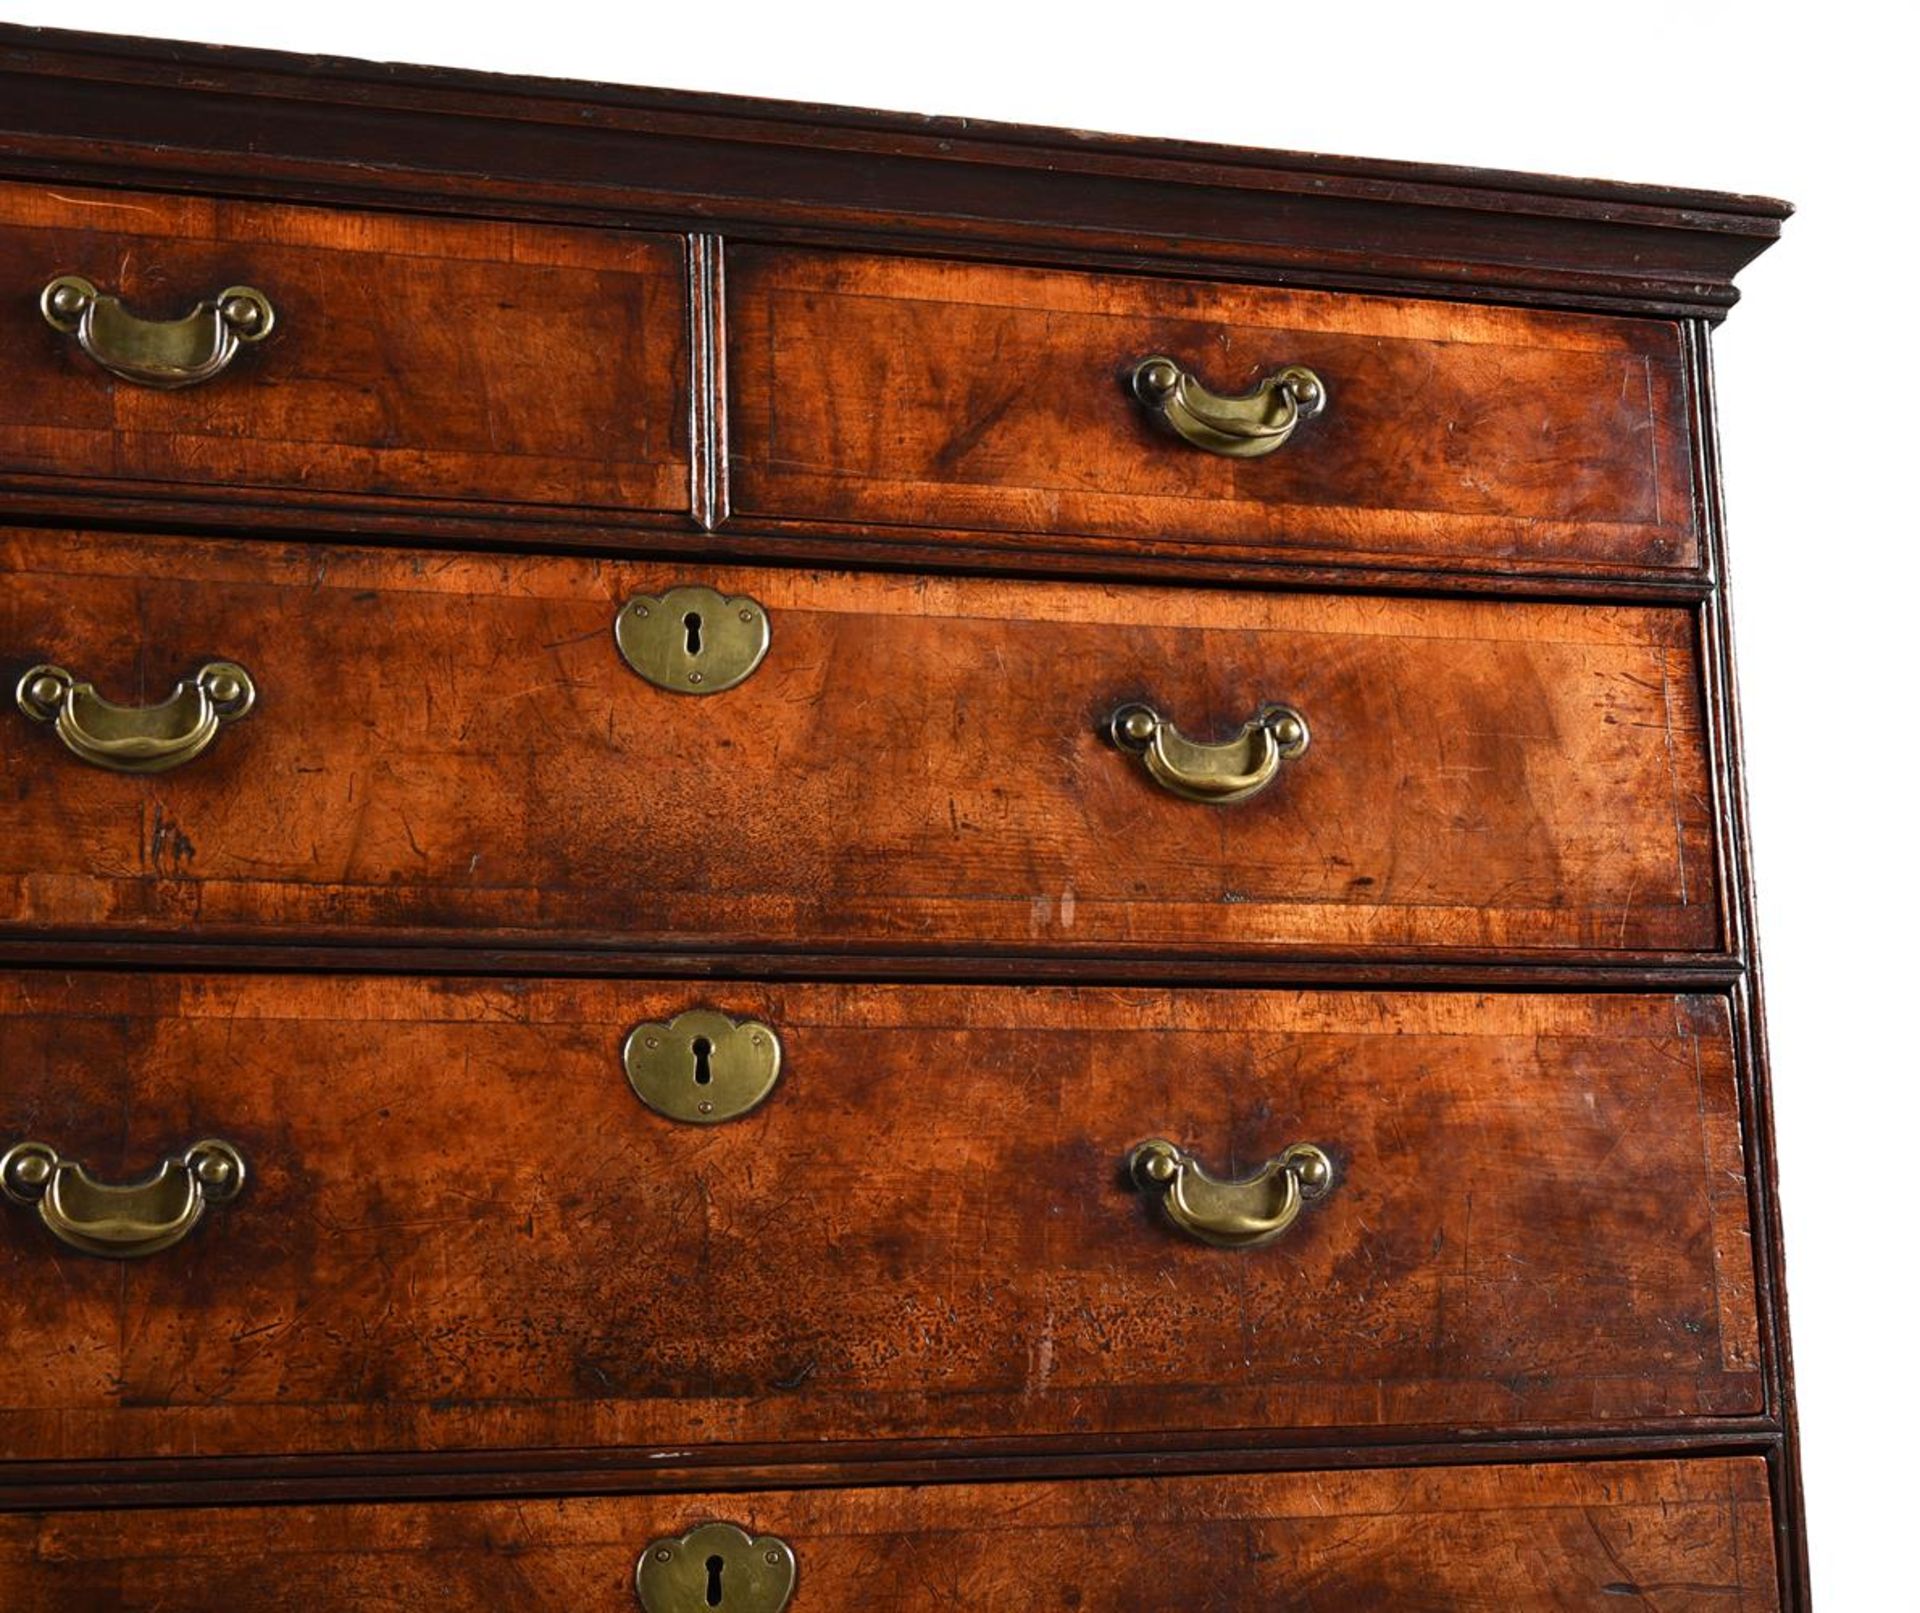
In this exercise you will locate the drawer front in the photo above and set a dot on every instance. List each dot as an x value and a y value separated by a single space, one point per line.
462 1229
452 747
410 358
1690 1537
903 392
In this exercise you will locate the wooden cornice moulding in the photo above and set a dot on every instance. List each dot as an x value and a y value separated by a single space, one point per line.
89 107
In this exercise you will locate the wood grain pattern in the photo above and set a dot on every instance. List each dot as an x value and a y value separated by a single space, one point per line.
464 1231
1685 1537
412 357
449 747
904 392
1524 796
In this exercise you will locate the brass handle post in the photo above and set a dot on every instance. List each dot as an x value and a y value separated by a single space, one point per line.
1233 770
122 1220
164 353
137 739
1243 427
1238 1214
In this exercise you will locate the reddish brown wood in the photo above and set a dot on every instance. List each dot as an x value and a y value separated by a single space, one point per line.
469 526
1683 1537
450 747
516 363
904 392
451 1475
707 416
464 1231
1656 972
1533 861
257 122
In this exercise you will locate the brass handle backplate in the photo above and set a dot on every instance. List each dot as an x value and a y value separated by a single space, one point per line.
701 1066
1241 1214
716 1565
1243 427
1219 774
137 739
122 1220
693 639
164 353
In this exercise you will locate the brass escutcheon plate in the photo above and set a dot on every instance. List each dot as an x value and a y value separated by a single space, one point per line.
716 1565
701 1066
693 639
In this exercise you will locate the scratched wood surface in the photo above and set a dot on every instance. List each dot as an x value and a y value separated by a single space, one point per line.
1680 1536
450 746
903 391
438 359
463 1230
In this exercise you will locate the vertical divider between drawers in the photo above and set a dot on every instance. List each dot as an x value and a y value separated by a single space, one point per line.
707 381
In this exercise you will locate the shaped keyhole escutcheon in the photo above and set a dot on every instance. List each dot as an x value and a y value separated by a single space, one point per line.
693 639
716 1565
702 1066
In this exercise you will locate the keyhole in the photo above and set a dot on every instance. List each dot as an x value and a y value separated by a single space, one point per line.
703 1076
716 1565
691 621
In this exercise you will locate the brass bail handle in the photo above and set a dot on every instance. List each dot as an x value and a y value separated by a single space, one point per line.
1242 427
1238 1214
122 1220
165 353
136 739
1218 774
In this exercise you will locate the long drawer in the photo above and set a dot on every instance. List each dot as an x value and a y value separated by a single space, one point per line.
471 1217
901 392
1685 1536
408 359
453 747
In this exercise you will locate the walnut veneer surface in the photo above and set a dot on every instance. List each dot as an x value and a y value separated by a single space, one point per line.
481 1326
1690 1537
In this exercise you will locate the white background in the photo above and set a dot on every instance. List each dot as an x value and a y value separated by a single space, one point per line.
1818 372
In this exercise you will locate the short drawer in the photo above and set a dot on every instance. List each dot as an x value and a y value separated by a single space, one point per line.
452 748
900 392
408 359
1688 1536
461 1227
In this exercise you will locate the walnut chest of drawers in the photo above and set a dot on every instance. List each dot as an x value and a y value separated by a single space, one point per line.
767 857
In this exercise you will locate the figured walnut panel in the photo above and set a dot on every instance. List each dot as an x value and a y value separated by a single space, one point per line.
412 357
1683 1536
450 746
463 1231
907 392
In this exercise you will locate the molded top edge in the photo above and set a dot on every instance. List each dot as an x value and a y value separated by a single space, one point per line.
1465 231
